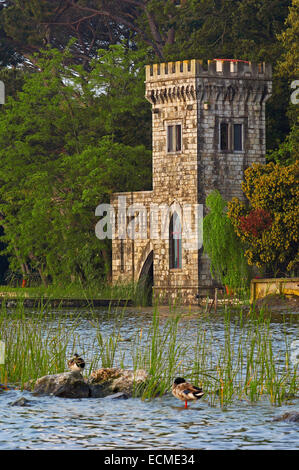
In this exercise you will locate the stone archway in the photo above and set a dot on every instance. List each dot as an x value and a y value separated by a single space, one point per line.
146 278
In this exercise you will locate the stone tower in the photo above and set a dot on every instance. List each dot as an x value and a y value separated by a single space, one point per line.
208 127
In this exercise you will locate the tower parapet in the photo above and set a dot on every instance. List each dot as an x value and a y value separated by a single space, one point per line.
227 68
218 80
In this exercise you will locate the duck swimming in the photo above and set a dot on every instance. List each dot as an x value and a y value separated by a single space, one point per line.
76 363
185 391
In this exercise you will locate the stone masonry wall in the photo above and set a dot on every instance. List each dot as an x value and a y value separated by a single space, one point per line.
199 98
175 175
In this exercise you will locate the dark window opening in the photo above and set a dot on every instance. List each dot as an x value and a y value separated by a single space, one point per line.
178 138
238 144
122 256
174 138
224 136
170 139
231 137
175 242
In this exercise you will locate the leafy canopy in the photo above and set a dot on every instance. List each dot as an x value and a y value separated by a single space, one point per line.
67 141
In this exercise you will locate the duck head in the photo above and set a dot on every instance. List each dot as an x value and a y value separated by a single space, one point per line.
179 380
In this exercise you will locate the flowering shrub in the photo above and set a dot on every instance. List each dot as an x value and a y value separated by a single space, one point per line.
255 222
268 224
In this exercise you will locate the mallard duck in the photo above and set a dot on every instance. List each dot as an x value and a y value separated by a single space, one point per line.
185 391
76 363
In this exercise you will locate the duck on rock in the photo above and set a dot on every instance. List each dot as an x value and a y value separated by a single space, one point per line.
185 391
76 363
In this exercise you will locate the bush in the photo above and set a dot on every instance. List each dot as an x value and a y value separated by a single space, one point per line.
222 245
269 223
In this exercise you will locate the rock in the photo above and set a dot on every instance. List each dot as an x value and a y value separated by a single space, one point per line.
112 383
20 402
118 396
67 385
103 382
29 386
292 417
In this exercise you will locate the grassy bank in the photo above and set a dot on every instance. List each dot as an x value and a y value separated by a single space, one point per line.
241 363
138 293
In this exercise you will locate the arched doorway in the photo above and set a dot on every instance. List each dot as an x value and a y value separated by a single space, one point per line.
146 279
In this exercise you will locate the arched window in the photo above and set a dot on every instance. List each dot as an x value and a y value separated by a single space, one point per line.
175 242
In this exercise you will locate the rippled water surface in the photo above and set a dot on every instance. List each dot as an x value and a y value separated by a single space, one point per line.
58 423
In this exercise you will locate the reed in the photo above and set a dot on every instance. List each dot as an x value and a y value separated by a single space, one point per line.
232 355
241 364
35 344
138 293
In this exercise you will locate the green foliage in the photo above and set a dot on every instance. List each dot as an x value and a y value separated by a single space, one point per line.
222 244
272 189
289 63
288 151
287 70
65 148
196 29
68 140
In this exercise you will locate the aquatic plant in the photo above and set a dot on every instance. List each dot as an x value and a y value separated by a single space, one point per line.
138 293
36 344
238 362
240 365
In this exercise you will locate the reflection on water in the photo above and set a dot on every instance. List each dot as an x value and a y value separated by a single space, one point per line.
57 423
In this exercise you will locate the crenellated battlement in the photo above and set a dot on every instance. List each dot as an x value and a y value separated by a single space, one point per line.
227 68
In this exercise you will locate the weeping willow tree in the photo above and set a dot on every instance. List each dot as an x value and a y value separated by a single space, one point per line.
226 253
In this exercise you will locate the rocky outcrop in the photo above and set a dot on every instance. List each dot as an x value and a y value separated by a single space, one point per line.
66 385
113 383
20 402
291 417
103 382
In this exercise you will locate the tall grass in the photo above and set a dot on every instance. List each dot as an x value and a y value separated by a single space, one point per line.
138 293
232 355
244 364
159 352
35 345
240 363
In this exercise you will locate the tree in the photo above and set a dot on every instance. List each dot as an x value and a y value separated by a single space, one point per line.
63 151
268 224
287 71
222 245
288 151
289 62
8 54
93 23
167 29
172 29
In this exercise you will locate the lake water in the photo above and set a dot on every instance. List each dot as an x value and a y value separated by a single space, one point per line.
162 423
